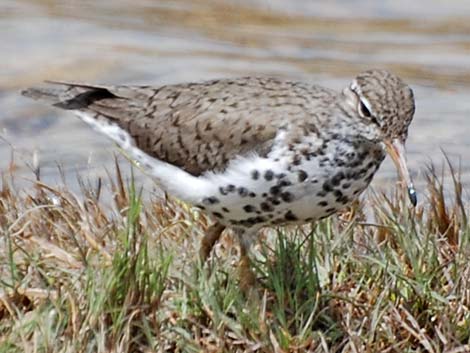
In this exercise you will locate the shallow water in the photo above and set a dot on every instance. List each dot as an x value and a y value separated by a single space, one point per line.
157 42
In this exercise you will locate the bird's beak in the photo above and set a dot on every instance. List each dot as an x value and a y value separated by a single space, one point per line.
396 150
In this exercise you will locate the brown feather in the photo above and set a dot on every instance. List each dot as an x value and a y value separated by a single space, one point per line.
198 126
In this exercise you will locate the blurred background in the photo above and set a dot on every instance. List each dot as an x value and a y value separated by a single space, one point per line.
156 42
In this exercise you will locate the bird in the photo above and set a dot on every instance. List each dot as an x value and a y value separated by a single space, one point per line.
256 151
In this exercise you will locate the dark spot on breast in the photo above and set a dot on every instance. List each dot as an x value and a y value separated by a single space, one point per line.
249 222
302 175
269 175
314 181
309 219
249 208
264 194
260 219
254 175
346 185
290 216
218 215
330 210
230 188
275 190
323 203
336 180
343 200
280 175
362 155
223 190
201 207
225 209
210 200
327 187
338 193
287 197
252 194
284 183
266 207
243 192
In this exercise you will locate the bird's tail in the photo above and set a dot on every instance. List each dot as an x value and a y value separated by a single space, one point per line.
69 95
109 110
47 95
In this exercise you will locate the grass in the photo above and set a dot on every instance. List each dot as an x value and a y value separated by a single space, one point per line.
76 276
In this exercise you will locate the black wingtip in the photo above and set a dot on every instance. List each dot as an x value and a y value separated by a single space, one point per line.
84 99
69 96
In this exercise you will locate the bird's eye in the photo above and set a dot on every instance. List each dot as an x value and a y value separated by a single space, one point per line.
363 110
365 113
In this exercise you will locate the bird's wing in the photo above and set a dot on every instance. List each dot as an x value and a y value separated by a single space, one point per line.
198 126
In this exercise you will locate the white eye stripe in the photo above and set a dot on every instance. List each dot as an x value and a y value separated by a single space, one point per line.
354 86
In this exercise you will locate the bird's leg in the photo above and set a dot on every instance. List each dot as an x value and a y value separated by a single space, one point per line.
209 239
245 272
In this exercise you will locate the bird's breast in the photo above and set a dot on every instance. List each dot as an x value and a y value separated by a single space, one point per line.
296 185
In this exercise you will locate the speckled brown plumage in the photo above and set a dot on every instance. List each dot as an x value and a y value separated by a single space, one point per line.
201 126
253 152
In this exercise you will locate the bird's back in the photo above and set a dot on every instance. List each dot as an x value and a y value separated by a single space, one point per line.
198 127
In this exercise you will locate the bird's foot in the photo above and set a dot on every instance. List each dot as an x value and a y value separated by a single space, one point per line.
246 274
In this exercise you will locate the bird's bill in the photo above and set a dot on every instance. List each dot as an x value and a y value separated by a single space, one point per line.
396 150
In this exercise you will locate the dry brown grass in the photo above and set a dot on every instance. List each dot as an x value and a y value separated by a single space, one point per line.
76 276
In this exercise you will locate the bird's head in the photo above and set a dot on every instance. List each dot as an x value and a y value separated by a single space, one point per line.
386 104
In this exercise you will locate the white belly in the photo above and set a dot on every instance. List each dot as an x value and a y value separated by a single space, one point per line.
259 191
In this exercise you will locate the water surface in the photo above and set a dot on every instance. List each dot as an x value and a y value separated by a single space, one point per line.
158 42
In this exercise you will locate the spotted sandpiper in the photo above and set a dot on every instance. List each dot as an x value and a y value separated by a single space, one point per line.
254 151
